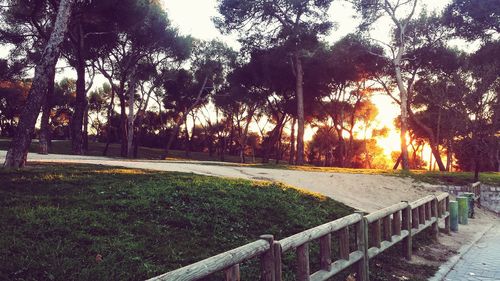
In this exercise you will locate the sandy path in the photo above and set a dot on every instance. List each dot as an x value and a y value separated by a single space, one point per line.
361 191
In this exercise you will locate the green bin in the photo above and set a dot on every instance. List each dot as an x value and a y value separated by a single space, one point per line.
453 215
463 209
471 196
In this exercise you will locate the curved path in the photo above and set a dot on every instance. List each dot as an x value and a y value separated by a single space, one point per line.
361 191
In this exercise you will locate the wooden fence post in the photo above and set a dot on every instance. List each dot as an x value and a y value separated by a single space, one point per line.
363 272
278 270
428 213
415 218
387 228
344 243
325 252
233 273
396 223
267 260
434 214
407 241
375 235
421 214
303 272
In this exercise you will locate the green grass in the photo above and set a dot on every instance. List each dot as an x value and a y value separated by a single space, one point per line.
55 220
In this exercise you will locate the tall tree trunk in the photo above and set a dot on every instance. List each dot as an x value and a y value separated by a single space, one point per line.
449 157
432 140
85 135
123 126
477 168
299 88
110 117
187 146
131 117
404 112
81 98
244 136
396 165
291 160
18 151
279 147
45 132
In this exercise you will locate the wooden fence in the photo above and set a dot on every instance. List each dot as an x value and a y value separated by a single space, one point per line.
374 233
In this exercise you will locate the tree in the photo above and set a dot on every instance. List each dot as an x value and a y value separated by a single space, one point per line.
296 23
17 155
142 30
400 13
187 90
474 19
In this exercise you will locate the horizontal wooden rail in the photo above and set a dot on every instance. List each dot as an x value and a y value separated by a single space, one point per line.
422 201
337 267
442 196
384 245
216 263
374 233
315 233
385 212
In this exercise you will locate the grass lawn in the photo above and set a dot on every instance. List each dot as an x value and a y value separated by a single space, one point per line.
56 218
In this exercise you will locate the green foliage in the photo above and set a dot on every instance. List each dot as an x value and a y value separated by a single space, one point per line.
56 218
474 19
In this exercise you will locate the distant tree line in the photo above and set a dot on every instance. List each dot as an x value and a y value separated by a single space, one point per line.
171 91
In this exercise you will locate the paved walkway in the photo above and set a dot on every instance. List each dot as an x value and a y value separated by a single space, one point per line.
482 262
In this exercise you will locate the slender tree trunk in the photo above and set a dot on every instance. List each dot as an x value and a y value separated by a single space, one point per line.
244 136
110 117
187 146
404 114
299 88
18 151
279 147
449 157
477 168
85 135
396 165
81 98
131 117
291 160
45 131
123 126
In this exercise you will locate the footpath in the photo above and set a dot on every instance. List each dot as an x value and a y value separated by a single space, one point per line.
481 262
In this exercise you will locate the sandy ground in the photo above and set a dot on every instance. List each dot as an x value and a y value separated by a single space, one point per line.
364 192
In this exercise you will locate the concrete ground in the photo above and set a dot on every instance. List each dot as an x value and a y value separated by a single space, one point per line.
481 262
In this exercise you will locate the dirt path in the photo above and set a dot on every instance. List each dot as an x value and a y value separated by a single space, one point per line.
361 191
